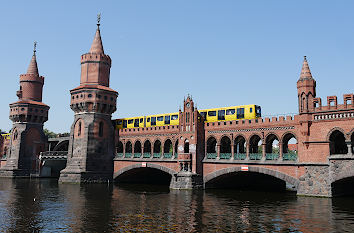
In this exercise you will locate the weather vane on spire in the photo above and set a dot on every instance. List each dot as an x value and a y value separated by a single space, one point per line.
98 19
34 47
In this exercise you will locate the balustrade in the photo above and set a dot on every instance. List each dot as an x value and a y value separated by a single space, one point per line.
256 156
290 156
128 155
225 155
212 155
240 156
146 155
137 155
272 156
119 155
167 155
156 155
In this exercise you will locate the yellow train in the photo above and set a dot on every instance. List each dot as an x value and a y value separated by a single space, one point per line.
231 113
6 136
209 115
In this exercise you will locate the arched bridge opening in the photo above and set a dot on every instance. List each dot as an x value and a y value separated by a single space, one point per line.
255 179
343 187
152 175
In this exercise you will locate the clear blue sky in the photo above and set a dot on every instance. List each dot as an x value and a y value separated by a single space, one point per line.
221 52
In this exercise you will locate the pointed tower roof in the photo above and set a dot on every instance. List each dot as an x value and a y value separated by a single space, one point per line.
305 71
97 46
33 68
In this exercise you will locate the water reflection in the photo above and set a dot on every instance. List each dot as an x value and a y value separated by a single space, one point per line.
45 205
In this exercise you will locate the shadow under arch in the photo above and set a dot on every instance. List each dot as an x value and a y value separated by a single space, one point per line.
256 171
343 183
151 174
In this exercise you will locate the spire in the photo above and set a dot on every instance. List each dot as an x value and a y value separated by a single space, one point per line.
33 68
97 46
305 71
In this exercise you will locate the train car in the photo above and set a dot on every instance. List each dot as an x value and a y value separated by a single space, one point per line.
132 122
6 136
231 113
162 119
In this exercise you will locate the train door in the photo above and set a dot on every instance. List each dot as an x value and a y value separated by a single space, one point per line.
167 120
136 123
221 115
240 113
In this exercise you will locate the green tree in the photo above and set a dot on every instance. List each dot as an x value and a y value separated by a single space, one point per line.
49 133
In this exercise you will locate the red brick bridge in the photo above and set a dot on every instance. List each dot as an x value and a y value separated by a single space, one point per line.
225 152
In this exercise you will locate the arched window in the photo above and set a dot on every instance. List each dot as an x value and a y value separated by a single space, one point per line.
337 143
79 130
100 129
128 147
255 148
186 146
240 145
147 148
211 145
157 147
119 147
272 147
352 143
137 147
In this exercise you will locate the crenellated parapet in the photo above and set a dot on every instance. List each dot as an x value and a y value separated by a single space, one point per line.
93 98
332 104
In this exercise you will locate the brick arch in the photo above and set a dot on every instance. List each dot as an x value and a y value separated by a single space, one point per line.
240 135
149 165
56 147
261 170
286 133
343 174
249 137
334 129
211 136
218 140
271 133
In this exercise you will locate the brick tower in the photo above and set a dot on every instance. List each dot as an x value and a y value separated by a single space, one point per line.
28 115
91 145
306 93
306 89
189 148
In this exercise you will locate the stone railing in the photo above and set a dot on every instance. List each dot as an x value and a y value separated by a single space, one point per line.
53 155
256 157
147 156
331 116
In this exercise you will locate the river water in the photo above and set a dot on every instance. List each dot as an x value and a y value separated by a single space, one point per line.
46 206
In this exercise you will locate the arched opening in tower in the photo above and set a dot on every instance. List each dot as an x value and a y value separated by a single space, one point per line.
272 147
337 143
144 175
352 139
247 181
343 187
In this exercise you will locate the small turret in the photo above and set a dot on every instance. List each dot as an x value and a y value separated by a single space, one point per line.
306 89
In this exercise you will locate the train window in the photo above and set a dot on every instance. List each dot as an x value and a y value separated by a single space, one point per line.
258 111
203 114
136 123
130 121
167 120
153 120
120 122
212 113
148 120
240 113
124 123
230 111
160 118
251 109
174 117
141 120
221 115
